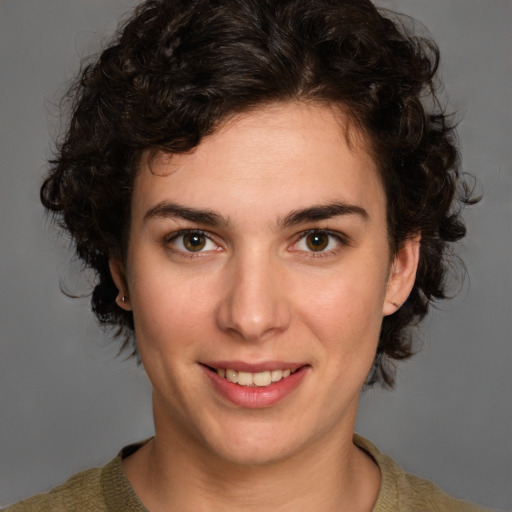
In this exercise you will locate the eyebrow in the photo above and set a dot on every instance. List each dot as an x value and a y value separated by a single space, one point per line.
213 219
175 211
323 212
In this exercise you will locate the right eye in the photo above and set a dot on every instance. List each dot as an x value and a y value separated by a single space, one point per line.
192 242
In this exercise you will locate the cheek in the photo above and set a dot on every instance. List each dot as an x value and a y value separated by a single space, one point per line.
349 300
171 326
169 310
344 312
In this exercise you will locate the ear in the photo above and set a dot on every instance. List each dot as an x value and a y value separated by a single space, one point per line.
402 275
118 276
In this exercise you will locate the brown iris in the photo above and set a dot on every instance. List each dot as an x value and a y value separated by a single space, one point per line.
317 241
194 242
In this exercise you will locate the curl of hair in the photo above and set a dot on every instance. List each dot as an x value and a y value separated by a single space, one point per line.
178 68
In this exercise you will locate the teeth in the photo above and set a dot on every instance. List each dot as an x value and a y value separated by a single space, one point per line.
245 379
253 379
262 379
232 376
277 375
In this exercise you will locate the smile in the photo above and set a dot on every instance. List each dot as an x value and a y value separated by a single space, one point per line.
259 379
254 385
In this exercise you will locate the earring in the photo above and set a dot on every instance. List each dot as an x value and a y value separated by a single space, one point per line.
121 298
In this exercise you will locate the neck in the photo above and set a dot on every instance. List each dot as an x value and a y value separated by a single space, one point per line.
331 474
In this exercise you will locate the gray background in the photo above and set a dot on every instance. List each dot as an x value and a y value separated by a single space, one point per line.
67 403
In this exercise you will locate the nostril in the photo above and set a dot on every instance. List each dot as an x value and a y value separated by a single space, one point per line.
254 303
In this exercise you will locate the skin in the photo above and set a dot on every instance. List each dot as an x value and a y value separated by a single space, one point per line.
259 290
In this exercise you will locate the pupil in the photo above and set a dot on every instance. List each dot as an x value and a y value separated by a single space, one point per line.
194 242
317 241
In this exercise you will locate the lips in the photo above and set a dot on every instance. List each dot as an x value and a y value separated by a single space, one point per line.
255 385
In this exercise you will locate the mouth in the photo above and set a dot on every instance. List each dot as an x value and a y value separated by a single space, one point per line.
257 385
250 379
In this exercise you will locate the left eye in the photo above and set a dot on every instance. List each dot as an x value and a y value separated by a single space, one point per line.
193 241
317 241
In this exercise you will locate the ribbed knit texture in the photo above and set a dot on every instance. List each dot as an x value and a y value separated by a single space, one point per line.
403 492
107 489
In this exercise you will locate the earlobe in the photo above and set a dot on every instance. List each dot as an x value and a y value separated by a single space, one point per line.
402 275
118 276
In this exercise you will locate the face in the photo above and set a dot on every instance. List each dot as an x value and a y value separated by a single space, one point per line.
258 273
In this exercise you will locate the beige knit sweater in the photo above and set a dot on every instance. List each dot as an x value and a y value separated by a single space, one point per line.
107 489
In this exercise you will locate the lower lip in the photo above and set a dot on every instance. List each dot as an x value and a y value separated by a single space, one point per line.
256 397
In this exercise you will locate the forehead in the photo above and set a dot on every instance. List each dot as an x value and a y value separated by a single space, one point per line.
268 161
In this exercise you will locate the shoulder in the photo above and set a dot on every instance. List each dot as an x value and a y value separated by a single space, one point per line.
94 490
403 492
81 492
424 495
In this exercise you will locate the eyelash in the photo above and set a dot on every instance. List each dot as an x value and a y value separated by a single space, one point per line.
171 239
340 240
338 237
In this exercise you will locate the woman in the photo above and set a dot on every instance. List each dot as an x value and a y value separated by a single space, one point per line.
267 203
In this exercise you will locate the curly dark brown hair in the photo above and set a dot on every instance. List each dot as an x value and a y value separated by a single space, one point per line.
177 68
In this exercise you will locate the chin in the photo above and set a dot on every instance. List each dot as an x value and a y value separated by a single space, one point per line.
260 443
257 454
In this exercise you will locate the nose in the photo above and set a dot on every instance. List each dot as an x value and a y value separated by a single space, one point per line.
254 305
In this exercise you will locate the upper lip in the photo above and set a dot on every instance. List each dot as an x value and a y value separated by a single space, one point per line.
243 366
